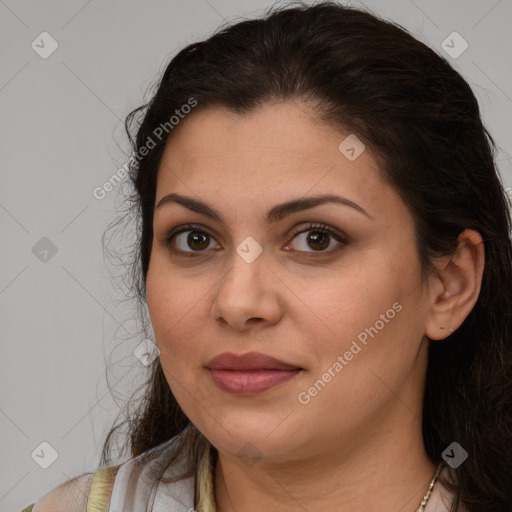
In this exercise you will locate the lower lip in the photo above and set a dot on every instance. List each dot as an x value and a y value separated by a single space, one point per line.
250 382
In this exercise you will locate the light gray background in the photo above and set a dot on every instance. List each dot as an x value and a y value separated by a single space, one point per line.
61 123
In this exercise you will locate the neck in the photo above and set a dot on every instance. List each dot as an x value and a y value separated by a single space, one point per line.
389 472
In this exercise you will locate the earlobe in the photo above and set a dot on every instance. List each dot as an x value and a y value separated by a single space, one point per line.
459 277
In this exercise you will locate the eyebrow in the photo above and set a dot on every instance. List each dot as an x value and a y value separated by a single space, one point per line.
276 213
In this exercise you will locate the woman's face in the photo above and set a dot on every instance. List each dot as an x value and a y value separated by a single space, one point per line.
340 304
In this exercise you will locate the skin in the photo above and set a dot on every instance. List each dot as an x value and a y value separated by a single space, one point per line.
362 431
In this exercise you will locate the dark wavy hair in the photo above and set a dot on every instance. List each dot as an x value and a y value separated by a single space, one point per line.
370 77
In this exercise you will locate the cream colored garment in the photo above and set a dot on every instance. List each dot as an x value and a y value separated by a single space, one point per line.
135 488
441 499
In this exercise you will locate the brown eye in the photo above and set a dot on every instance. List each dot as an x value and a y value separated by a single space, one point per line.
318 238
188 240
197 240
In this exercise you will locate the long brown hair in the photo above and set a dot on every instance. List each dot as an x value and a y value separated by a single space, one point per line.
406 102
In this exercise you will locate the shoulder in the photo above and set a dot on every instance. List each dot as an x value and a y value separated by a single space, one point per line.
71 496
114 488
84 492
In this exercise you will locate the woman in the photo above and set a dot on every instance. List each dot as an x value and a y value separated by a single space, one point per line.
325 256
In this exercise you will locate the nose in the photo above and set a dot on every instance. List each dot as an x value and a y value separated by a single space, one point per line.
248 295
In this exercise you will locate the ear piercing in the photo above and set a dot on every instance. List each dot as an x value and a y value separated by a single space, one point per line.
451 329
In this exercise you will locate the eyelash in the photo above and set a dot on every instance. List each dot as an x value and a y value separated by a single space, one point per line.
317 227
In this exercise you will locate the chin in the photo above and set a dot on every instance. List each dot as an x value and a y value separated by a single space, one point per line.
253 435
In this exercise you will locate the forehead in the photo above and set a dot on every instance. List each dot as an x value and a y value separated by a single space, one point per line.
278 151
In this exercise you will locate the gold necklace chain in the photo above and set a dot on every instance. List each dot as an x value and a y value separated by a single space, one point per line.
425 499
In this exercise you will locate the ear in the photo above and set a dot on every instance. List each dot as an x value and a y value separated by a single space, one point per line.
455 289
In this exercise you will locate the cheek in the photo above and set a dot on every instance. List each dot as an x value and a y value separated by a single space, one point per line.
367 313
176 307
367 351
347 304
171 315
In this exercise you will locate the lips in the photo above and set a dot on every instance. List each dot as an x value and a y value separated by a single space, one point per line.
249 361
249 374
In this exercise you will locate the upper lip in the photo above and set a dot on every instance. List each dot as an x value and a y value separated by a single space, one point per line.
248 361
